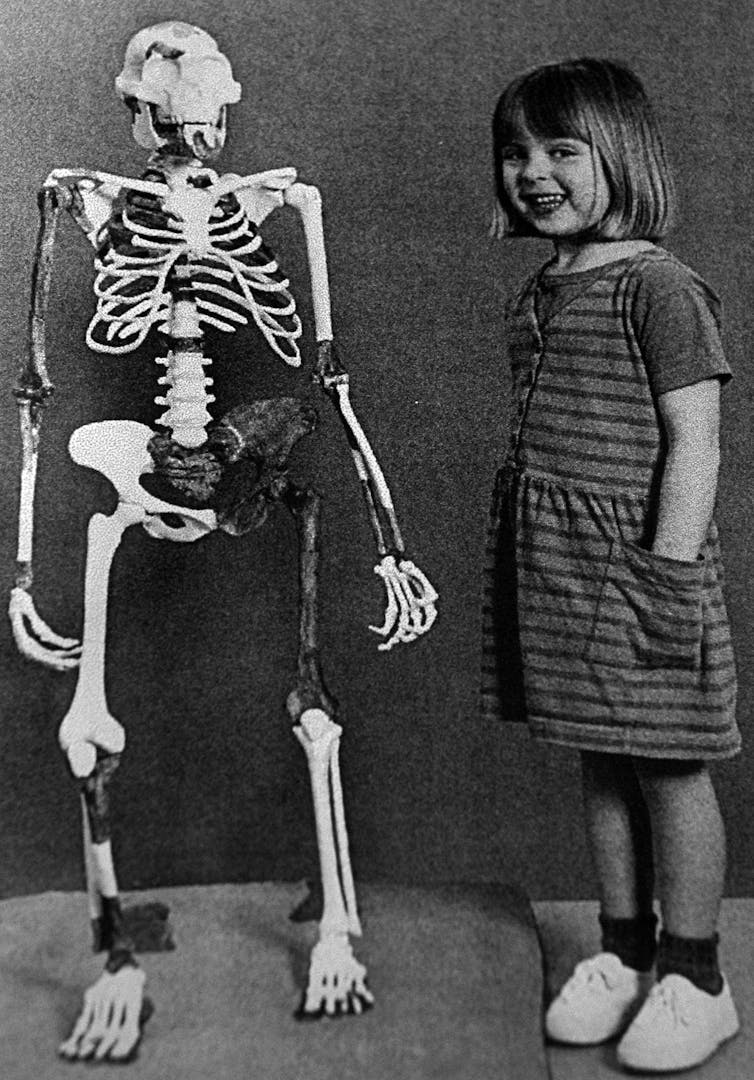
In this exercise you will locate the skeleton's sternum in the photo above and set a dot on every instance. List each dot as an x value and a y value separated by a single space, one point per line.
187 399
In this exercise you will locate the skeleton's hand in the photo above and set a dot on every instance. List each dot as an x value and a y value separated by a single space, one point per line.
34 637
411 602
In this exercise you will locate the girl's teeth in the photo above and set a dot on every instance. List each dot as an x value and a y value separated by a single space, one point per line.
547 200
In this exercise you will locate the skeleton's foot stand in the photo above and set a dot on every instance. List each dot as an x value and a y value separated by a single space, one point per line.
115 1008
337 981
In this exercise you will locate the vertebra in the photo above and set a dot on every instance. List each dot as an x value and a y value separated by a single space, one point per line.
187 399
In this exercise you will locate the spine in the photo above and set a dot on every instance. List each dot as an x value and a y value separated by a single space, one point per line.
187 399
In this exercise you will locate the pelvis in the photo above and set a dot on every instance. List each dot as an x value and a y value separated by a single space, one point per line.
229 483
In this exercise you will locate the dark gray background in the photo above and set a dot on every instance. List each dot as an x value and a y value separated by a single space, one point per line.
386 107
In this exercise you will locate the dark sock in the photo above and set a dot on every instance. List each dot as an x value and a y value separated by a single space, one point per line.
632 940
694 958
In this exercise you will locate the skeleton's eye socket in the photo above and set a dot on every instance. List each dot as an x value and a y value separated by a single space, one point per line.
173 521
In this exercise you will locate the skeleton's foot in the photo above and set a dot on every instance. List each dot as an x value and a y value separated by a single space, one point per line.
111 1021
337 981
34 637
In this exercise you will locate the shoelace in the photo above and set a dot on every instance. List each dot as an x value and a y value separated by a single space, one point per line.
662 999
586 973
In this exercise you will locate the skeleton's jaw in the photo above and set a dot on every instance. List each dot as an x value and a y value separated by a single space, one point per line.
196 139
196 143
204 141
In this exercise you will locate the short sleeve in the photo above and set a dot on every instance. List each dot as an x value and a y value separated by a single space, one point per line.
676 318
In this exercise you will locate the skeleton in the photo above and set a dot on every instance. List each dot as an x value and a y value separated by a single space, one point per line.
176 251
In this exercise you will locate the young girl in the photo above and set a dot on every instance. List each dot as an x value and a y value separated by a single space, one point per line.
605 618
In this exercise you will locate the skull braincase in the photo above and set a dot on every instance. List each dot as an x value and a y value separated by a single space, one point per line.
179 68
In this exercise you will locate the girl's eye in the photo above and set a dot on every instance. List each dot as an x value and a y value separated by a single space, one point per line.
511 153
564 151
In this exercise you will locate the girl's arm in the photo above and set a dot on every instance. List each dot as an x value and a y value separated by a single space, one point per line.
691 419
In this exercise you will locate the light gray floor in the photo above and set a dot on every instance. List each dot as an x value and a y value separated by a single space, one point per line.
456 973
569 932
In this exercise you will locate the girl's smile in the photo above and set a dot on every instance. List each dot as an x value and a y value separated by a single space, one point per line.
557 186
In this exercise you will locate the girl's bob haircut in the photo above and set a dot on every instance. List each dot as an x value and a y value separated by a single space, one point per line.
602 103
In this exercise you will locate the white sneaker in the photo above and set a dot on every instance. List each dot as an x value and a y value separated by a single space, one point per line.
598 1002
678 1026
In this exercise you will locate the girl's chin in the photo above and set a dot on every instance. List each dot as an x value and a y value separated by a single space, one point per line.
550 228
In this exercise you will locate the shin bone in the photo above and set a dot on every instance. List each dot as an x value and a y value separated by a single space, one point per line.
337 981
319 736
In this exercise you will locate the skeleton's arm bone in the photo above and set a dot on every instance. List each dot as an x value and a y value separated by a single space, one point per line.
366 490
32 635
87 197
374 485
358 437
306 199
33 381
411 599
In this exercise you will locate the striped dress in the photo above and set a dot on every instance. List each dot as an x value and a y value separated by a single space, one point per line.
591 638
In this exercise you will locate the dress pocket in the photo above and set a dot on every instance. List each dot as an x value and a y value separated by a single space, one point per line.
649 611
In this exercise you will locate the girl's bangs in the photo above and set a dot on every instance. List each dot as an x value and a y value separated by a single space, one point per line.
547 106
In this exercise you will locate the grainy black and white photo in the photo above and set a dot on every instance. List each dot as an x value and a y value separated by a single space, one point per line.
376 684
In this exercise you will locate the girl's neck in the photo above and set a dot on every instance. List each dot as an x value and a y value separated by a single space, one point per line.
571 255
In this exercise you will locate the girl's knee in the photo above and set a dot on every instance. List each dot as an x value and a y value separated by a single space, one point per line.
662 779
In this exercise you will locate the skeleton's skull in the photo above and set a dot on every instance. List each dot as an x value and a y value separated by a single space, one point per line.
177 84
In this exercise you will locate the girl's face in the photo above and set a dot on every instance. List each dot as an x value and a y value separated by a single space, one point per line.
556 185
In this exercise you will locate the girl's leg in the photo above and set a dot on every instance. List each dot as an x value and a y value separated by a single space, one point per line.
690 853
689 839
619 834
690 1013
620 840
605 991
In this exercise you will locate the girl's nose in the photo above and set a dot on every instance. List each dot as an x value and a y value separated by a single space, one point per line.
536 166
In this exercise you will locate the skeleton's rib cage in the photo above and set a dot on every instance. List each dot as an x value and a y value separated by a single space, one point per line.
195 244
